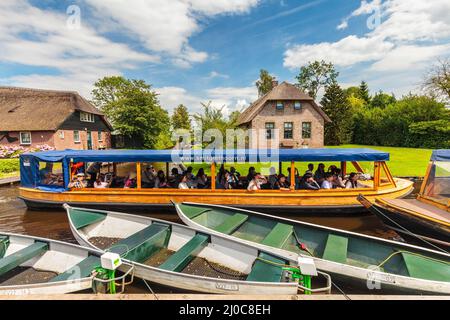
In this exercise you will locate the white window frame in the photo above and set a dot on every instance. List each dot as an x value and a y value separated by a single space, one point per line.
100 136
21 140
79 137
87 117
61 134
300 105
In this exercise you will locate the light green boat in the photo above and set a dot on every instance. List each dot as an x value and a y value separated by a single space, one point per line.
378 265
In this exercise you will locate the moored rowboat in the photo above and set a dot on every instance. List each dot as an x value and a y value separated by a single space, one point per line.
348 257
31 265
178 256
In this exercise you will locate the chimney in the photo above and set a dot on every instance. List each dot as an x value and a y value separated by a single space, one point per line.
274 82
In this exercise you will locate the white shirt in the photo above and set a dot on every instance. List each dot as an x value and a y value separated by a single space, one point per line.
183 185
326 185
101 185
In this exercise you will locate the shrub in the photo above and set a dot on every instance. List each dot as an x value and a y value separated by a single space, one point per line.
430 134
9 165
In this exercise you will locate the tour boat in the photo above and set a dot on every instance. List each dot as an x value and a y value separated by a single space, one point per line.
180 257
426 219
38 192
31 265
369 263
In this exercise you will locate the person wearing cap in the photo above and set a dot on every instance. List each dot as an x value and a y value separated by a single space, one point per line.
78 182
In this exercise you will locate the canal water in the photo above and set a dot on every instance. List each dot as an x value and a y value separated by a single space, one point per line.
16 218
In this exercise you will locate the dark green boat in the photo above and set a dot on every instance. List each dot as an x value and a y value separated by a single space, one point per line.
369 262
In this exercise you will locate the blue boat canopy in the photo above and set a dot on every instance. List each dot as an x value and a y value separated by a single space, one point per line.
209 155
441 155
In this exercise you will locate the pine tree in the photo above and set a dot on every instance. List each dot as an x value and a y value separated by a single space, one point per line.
180 118
364 92
336 106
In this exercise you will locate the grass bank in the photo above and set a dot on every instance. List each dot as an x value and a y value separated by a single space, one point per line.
9 168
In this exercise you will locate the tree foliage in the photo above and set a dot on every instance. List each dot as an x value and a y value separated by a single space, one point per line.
133 109
364 92
381 100
265 82
180 118
437 81
316 75
337 107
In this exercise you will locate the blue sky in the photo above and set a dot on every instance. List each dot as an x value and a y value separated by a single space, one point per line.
200 50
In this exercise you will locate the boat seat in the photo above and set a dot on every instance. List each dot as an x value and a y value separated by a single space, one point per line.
180 259
81 270
278 236
264 271
193 211
231 223
17 258
425 268
81 219
142 244
3 245
336 249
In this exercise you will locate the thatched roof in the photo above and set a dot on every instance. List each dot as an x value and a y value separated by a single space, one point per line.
283 91
23 109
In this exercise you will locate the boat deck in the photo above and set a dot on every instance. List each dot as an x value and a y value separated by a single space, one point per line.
421 208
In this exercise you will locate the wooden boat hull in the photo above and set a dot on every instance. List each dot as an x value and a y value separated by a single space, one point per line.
192 282
431 231
363 277
59 255
320 201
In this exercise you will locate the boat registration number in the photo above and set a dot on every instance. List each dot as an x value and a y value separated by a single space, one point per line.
227 286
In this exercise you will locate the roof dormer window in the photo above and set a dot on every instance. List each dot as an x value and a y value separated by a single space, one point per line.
86 117
280 105
297 105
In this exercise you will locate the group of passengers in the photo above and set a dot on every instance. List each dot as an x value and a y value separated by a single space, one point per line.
225 179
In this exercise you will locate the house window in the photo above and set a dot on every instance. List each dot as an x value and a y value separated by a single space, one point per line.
76 136
86 117
288 126
25 138
61 134
100 136
306 130
297 105
280 105
269 130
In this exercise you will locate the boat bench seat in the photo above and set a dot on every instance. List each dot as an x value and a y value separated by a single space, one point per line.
142 244
336 249
424 268
193 211
231 223
263 271
180 259
278 236
17 258
81 219
81 270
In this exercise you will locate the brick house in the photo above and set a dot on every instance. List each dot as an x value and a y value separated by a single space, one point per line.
59 119
298 118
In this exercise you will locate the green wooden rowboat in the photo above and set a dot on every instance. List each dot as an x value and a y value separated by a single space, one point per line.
369 262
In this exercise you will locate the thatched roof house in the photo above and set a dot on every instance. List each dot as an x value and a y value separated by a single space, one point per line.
298 117
61 119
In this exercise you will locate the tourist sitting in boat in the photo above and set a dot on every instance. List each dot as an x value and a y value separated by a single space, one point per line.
273 177
234 178
308 183
319 175
281 183
338 182
78 182
256 182
130 183
250 176
161 181
310 168
201 179
222 181
174 178
184 182
352 181
148 177
332 169
100 183
327 182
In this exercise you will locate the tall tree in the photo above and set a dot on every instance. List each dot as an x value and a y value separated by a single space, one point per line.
437 81
382 100
265 82
335 104
364 92
316 75
180 118
133 109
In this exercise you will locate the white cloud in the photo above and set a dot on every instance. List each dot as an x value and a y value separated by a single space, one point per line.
215 74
